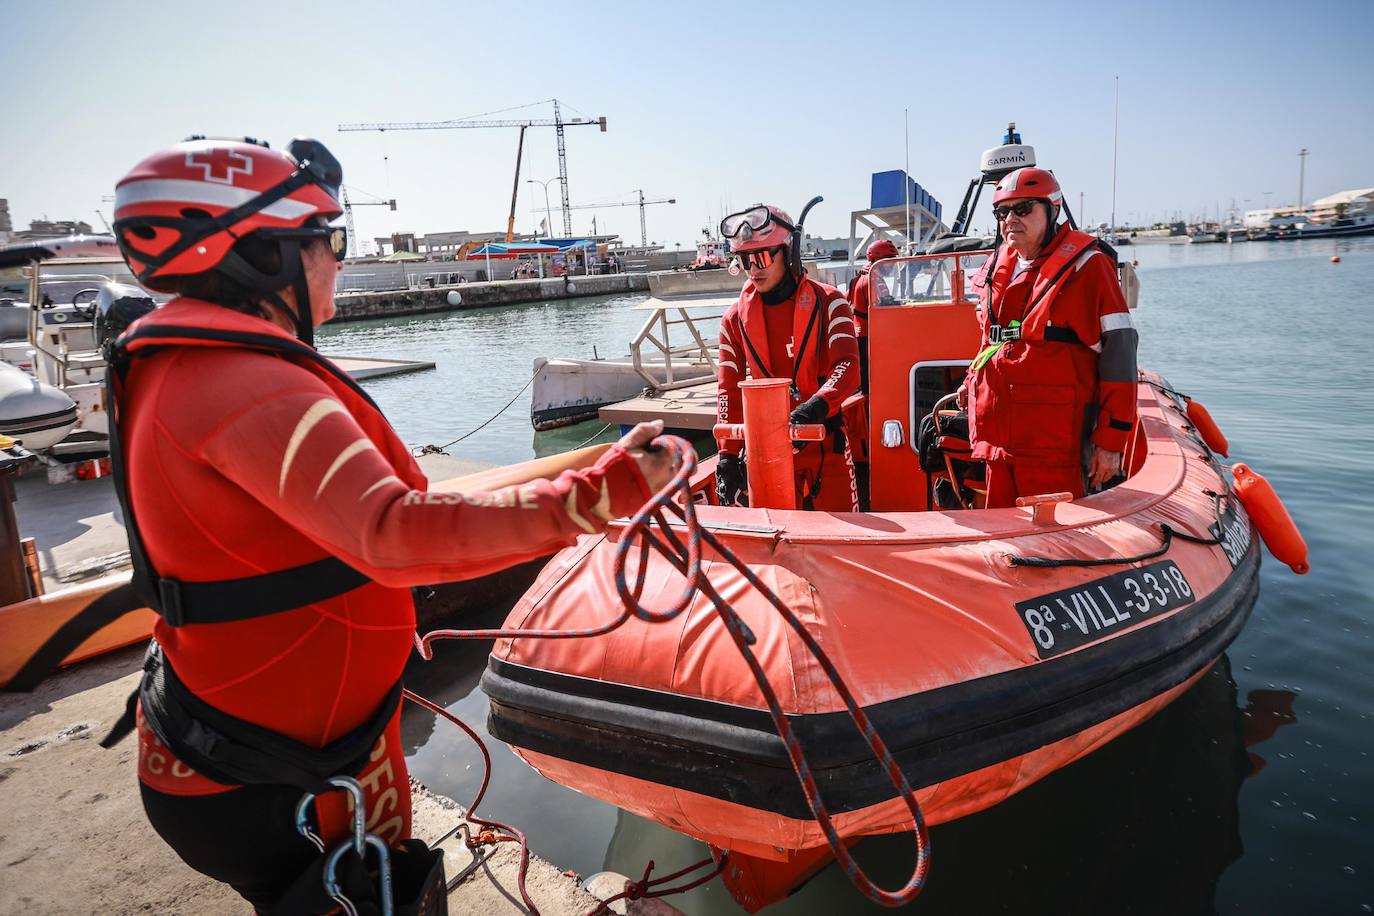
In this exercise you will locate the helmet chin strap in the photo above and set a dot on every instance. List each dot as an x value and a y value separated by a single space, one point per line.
292 274
1051 225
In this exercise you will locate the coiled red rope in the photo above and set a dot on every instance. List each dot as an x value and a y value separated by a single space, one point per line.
685 556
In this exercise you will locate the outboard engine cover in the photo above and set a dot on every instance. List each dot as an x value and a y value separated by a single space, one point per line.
116 307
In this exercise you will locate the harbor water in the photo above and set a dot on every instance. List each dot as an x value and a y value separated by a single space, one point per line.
1253 793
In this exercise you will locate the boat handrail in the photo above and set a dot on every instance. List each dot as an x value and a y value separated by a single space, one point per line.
698 350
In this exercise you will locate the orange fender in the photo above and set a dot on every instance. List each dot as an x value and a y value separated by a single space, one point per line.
1211 433
1275 525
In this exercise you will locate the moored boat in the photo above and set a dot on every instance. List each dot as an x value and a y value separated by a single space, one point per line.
38 415
988 648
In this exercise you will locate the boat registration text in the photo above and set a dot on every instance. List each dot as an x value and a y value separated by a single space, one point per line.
1073 617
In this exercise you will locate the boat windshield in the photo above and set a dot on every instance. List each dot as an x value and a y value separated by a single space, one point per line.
927 279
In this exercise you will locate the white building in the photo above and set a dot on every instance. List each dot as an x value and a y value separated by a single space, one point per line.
1323 209
1342 203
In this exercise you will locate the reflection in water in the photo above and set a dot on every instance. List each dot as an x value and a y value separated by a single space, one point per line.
1266 713
1146 824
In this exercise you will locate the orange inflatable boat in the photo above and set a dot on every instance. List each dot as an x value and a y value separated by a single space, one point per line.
987 647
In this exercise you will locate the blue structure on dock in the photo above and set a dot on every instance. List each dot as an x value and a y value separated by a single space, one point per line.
887 191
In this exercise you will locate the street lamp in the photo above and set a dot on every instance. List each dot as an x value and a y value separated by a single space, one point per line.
548 211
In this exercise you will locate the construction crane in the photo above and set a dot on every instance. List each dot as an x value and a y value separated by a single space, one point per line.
641 204
348 206
558 123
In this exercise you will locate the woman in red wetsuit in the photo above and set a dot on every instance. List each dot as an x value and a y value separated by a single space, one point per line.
277 522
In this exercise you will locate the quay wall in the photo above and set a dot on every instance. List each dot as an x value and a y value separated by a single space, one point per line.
358 306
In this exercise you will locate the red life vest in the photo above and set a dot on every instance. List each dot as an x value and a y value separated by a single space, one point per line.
809 335
1031 395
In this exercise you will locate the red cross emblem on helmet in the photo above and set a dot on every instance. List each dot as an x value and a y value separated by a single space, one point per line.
219 164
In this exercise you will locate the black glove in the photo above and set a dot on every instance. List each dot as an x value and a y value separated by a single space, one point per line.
813 410
731 483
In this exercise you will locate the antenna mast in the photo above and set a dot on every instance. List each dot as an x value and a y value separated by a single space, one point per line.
1116 121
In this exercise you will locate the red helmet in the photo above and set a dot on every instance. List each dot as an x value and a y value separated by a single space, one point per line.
179 211
1028 182
881 249
757 228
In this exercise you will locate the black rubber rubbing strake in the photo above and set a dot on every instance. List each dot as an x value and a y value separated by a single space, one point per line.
731 752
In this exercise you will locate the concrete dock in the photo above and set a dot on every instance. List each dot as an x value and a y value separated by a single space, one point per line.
359 306
75 840
360 368
691 408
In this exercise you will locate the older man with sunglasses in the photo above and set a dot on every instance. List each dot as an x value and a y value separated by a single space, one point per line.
786 325
1053 387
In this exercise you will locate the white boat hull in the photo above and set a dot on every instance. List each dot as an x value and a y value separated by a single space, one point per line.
568 391
38 415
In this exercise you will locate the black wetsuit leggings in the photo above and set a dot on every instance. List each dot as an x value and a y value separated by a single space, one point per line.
245 838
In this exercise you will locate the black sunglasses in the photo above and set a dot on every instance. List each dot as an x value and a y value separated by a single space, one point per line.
335 236
1021 208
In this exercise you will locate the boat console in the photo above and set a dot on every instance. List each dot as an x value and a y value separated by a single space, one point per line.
923 332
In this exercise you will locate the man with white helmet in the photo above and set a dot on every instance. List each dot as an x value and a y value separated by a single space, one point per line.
1053 387
786 325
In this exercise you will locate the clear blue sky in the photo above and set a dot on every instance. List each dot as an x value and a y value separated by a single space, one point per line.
714 104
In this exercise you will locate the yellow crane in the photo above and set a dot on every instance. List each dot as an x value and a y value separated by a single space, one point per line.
557 122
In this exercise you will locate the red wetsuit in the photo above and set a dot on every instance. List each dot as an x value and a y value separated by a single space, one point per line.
1071 375
243 462
809 338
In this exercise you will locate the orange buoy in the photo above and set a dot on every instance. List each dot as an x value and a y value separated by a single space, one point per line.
1275 525
1211 433
1335 259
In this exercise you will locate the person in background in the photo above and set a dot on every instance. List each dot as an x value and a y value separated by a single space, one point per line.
786 325
856 418
1052 390
277 522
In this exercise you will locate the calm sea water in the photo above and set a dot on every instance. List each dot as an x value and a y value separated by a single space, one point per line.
1253 793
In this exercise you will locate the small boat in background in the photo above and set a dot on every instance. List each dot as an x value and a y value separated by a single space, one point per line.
38 415
668 351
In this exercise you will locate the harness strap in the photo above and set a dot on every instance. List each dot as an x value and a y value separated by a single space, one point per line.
228 600
232 751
